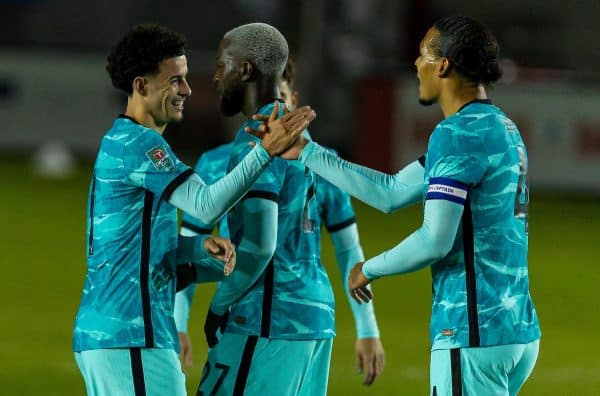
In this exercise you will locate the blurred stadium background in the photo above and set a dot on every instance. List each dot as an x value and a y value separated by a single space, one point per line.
355 67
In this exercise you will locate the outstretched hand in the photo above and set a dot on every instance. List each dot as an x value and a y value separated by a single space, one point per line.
357 283
283 136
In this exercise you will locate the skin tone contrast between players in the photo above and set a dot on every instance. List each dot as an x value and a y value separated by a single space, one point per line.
271 321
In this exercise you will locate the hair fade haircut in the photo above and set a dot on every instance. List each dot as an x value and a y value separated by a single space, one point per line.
140 52
470 47
262 45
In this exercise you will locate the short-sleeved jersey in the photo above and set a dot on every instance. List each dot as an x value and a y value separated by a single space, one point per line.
129 289
293 298
335 206
481 296
211 167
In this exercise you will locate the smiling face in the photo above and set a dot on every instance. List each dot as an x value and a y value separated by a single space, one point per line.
428 67
228 79
167 90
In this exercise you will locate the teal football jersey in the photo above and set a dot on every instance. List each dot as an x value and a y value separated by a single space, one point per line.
129 289
293 298
477 158
335 206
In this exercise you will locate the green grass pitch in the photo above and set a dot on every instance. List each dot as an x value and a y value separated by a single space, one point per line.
43 263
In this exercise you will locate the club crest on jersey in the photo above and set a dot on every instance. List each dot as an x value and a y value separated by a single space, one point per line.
160 159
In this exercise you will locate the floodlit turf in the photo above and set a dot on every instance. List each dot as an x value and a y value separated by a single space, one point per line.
42 267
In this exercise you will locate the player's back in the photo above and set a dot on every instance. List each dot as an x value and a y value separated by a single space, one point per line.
293 298
481 288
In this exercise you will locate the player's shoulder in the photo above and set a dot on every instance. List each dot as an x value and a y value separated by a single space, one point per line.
467 126
132 136
478 118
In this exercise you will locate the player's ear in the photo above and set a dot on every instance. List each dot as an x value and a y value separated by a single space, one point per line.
139 85
294 99
246 71
443 67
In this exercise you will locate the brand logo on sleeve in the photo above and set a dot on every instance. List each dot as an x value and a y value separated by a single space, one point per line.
160 159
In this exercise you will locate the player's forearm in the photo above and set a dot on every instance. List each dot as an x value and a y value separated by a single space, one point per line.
183 302
349 252
377 189
190 249
209 202
423 247
253 253
250 265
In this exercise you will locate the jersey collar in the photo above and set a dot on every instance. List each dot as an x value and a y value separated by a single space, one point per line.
482 101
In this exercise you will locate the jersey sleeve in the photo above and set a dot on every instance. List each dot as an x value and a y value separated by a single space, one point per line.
150 163
456 161
380 190
335 206
189 224
270 181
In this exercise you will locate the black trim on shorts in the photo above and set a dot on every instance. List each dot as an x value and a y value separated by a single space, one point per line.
456 372
137 370
271 196
471 286
244 370
421 160
267 303
195 228
178 181
341 226
145 269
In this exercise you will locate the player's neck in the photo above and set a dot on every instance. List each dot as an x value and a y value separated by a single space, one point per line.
258 94
451 100
142 116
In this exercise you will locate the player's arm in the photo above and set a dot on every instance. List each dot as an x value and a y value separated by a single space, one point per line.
459 160
183 303
340 221
201 259
431 242
349 252
209 202
370 355
380 190
254 252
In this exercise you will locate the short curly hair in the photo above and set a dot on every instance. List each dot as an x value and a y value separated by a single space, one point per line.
140 52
